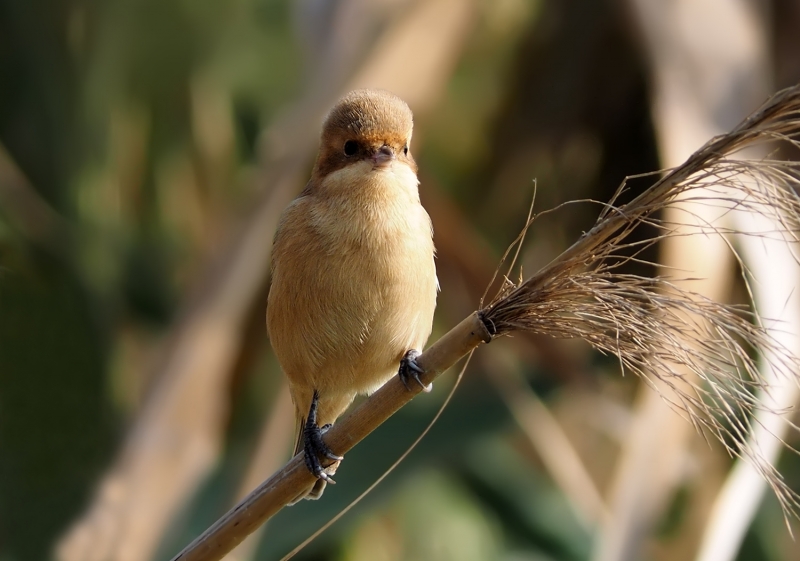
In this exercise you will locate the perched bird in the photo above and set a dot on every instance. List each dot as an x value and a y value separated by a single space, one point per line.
353 276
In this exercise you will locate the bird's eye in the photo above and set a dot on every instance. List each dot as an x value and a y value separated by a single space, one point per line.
405 150
350 148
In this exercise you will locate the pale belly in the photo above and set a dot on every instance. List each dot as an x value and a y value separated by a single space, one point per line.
355 315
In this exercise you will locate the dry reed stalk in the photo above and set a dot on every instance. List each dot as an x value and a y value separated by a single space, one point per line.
643 321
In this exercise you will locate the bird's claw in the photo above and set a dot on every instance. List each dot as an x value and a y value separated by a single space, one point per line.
314 447
410 370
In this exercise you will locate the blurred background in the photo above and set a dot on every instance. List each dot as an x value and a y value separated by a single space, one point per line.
147 148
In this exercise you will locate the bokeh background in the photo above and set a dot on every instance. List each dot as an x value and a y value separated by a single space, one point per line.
147 148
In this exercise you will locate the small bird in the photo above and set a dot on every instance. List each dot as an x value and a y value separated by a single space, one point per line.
353 275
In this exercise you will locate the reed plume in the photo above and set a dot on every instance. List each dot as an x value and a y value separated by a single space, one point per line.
654 325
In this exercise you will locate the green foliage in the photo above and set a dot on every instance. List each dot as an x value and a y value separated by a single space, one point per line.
55 422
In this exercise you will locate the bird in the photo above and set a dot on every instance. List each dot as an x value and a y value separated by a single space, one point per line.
353 274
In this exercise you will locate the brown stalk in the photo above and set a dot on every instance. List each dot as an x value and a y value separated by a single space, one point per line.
277 491
644 321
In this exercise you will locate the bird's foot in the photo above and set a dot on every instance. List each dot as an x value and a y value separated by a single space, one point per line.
410 370
314 447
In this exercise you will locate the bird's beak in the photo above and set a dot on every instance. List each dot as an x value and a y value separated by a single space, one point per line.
383 156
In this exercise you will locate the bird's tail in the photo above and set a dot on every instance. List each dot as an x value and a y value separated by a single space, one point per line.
298 441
